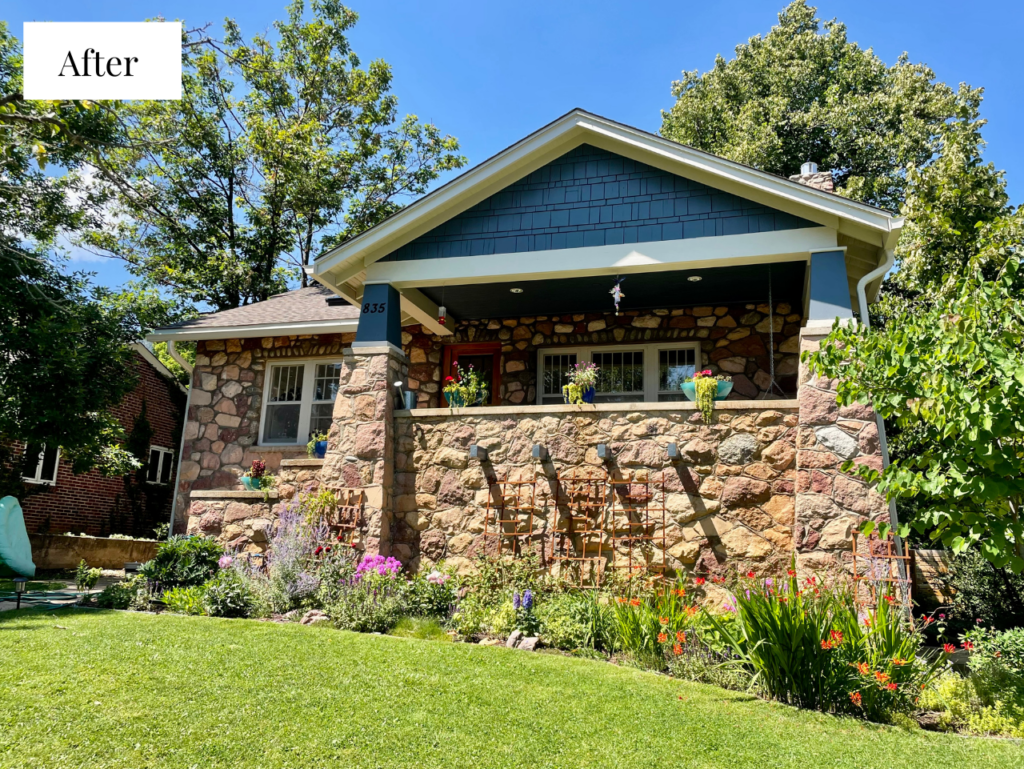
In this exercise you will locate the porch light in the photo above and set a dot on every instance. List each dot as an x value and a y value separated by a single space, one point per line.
673 452
539 452
516 290
695 278
20 584
478 452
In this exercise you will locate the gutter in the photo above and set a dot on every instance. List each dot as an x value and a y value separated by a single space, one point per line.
173 352
865 317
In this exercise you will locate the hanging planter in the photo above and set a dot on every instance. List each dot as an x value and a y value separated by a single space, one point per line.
704 388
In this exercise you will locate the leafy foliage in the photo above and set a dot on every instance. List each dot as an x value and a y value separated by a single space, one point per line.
981 591
183 562
186 600
228 594
86 578
125 594
953 372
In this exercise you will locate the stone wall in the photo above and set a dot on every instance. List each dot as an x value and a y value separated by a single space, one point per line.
223 424
730 497
734 340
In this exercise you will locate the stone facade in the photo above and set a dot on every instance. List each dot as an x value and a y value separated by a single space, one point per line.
223 423
830 503
734 340
730 497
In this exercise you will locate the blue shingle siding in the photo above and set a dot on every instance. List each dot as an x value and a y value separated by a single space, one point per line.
591 197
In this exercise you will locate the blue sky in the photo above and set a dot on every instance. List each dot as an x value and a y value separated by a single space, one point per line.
492 72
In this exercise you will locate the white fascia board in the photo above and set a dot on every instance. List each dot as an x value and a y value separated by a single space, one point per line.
249 332
656 256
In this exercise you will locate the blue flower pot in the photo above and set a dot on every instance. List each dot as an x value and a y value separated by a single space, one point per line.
320 449
252 484
724 388
588 395
455 400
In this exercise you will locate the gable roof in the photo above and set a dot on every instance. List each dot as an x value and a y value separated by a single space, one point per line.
343 268
310 310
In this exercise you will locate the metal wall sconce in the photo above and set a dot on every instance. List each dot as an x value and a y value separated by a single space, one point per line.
478 453
602 451
539 452
673 452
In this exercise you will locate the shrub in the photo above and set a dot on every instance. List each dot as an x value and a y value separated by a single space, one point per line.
229 595
432 595
573 621
805 645
368 606
86 578
646 625
183 562
185 600
982 591
129 593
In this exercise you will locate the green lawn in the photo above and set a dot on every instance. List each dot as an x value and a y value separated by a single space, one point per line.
109 689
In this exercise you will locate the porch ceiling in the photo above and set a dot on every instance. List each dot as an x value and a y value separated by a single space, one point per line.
642 291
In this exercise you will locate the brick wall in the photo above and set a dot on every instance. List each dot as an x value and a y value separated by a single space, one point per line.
93 504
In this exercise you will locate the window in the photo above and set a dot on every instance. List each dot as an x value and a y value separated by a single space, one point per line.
40 464
298 400
158 469
652 372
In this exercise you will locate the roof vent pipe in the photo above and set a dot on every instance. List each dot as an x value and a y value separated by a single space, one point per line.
809 168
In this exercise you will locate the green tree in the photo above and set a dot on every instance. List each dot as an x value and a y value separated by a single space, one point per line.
63 349
803 93
278 148
952 371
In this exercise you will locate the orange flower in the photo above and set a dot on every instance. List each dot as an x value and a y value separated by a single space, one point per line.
750 575
826 645
621 600
662 638
836 636
790 572
948 648
928 620
663 620
968 645
863 668
681 636
679 592
699 581
882 677
892 687
691 611
898 661
855 698
889 598
677 649
634 602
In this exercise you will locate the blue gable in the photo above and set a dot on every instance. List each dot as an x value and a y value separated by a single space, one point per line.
591 197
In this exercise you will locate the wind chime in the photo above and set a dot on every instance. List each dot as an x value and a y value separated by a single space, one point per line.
616 293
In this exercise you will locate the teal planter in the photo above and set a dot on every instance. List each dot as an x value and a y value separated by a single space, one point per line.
724 388
252 484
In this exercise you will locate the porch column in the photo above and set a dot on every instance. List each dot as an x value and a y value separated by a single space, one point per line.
361 442
830 503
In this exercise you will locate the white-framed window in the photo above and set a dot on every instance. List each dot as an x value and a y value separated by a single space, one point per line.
41 463
628 373
298 400
161 462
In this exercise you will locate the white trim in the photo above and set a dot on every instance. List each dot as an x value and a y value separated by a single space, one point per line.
656 256
152 360
305 401
164 455
257 330
579 127
423 311
37 479
650 350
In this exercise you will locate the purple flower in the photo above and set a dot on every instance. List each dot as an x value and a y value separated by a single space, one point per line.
528 600
515 600
225 561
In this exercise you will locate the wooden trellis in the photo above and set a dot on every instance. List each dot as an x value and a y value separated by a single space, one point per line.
579 534
347 515
878 569
637 518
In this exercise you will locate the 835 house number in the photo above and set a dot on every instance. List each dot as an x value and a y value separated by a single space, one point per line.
372 307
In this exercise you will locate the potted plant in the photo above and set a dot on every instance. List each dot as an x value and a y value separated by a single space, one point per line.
256 478
582 384
464 388
705 388
317 446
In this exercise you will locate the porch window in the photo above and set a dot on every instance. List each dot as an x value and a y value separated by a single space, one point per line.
158 469
485 358
633 373
299 400
40 464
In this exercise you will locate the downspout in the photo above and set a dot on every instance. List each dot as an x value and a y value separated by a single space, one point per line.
181 446
865 317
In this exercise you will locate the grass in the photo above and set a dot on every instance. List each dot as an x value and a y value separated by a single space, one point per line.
422 628
7 586
96 689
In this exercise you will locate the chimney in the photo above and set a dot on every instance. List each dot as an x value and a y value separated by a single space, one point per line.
812 177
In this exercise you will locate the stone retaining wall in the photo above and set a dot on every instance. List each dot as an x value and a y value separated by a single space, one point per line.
60 551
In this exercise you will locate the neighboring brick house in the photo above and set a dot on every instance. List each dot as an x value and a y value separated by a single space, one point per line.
510 268
57 501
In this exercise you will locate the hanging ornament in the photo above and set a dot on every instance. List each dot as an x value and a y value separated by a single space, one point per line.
442 313
617 294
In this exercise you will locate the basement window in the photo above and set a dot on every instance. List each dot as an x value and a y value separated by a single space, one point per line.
628 374
40 464
158 469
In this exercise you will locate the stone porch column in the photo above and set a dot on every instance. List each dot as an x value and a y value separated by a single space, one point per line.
361 441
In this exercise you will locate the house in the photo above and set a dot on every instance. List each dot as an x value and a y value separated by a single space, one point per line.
57 501
510 267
